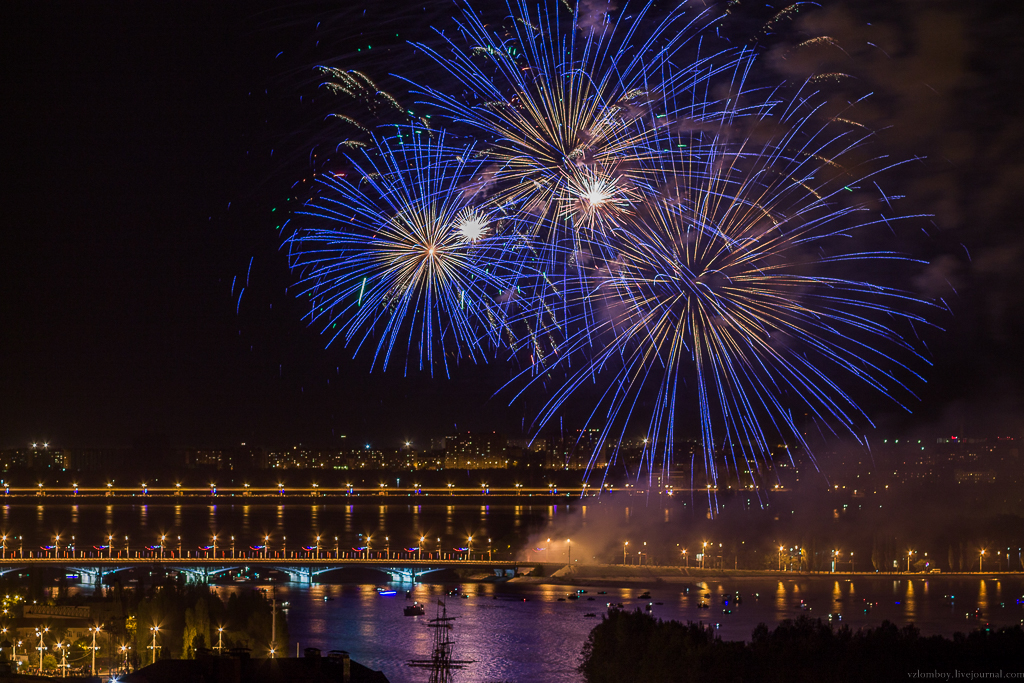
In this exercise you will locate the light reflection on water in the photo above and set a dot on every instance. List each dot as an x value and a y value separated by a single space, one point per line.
541 639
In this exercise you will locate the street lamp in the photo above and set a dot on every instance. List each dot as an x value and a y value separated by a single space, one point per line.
704 555
163 538
910 554
420 555
781 548
220 640
469 547
568 545
215 546
56 545
981 556
232 547
154 630
318 547
266 542
624 552
95 630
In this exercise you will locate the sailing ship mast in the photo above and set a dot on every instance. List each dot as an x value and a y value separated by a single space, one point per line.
441 664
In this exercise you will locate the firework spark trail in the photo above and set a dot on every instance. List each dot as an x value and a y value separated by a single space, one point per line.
631 217
729 278
572 111
404 253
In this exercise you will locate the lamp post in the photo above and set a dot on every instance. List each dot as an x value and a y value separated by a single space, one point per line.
162 539
220 640
420 554
910 554
215 546
568 545
469 547
704 555
41 636
126 553
266 542
981 556
95 630
318 547
488 550
63 658
154 630
5 546
337 549
232 547
624 552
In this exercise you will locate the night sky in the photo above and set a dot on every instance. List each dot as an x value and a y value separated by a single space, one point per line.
150 149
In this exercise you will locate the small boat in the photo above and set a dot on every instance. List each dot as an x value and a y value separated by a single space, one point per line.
561 599
414 610
645 595
702 605
386 591
328 598
572 596
581 591
590 615
602 592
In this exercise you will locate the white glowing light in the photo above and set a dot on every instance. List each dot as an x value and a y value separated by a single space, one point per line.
597 194
471 225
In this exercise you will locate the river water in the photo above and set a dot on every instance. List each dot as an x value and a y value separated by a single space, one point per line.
512 631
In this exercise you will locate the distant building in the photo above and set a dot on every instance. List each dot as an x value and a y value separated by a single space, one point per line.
476 450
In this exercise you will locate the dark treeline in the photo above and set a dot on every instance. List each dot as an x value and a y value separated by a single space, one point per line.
632 646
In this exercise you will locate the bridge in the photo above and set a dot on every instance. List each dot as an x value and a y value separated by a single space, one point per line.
298 570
